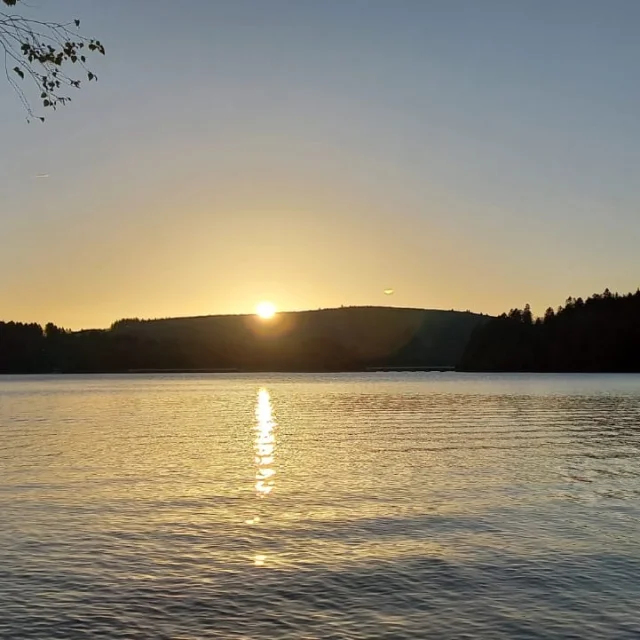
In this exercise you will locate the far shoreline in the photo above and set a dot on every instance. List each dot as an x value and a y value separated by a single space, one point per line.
143 372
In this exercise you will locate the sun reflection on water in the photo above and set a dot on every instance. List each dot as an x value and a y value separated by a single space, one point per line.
264 445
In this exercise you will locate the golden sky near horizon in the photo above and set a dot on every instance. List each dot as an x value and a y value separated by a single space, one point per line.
316 155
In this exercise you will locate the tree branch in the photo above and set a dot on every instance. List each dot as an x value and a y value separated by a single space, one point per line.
42 52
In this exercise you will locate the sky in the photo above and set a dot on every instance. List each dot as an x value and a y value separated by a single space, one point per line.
469 154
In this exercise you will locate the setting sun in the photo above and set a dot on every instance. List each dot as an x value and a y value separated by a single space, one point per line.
266 310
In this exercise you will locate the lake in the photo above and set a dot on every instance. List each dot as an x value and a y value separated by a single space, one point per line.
424 505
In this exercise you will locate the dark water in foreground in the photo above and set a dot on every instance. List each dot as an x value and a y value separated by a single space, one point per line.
352 506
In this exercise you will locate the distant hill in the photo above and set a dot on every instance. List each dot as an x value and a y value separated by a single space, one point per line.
344 339
327 339
599 334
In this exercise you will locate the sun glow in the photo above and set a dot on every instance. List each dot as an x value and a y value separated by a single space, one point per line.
266 310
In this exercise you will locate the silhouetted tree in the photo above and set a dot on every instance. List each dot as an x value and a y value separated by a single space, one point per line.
515 315
52 332
21 347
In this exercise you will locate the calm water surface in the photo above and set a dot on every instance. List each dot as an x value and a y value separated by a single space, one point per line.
349 506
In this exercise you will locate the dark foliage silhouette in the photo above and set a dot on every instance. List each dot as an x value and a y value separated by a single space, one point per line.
52 56
601 333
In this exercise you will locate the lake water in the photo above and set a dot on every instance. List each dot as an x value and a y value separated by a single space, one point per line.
310 506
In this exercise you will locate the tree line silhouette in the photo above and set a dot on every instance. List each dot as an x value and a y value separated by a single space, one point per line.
599 334
346 339
30 348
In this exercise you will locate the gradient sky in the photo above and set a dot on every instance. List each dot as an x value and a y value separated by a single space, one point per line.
471 154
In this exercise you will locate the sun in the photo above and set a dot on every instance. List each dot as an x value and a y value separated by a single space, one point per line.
265 310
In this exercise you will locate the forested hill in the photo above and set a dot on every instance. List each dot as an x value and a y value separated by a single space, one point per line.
601 333
350 338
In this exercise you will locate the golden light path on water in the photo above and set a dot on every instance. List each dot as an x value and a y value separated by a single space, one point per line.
404 505
265 444
264 448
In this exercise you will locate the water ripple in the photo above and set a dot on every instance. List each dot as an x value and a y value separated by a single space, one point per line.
354 506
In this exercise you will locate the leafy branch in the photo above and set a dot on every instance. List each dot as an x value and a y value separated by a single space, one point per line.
44 52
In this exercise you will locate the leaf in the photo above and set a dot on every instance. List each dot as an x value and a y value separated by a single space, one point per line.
19 71
90 75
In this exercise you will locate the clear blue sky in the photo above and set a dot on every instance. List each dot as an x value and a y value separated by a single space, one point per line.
470 154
